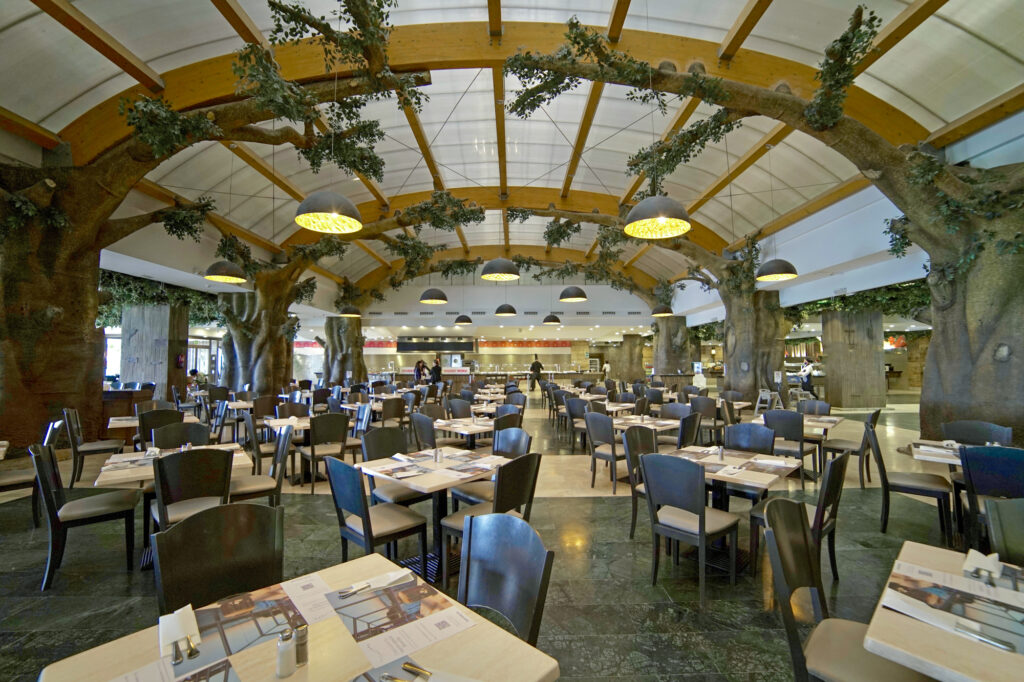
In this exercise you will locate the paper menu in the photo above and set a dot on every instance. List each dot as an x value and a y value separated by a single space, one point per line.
307 594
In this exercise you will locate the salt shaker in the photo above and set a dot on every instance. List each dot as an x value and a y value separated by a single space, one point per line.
438 456
721 453
301 645
285 654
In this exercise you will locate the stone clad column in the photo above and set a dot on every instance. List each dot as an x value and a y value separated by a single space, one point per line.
854 358
152 338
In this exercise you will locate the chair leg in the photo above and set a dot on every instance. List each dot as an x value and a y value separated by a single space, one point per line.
58 539
35 506
147 517
632 522
655 557
885 510
832 555
867 466
615 478
755 544
860 469
344 550
593 471
315 468
701 569
129 539
734 539
423 554
444 558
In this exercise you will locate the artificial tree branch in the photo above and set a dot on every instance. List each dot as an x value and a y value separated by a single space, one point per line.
117 229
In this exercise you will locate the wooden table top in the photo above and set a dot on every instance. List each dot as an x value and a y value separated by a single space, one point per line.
426 483
239 404
141 470
758 471
489 408
931 650
811 421
482 652
133 422
623 423
300 423
935 451
614 408
465 426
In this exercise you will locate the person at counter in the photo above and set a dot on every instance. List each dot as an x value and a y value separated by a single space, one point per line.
805 377
435 371
535 369
607 369
419 370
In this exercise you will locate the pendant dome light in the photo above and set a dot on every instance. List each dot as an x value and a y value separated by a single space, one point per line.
505 310
657 217
500 270
572 294
349 311
463 320
662 310
433 296
552 319
225 271
776 270
329 212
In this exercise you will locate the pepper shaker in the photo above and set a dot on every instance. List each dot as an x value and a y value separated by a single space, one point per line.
285 654
301 645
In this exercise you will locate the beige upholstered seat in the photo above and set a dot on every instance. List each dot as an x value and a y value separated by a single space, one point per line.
670 440
791 448
322 450
715 520
920 481
477 490
176 511
456 520
14 477
98 505
395 493
250 485
835 651
605 449
101 446
385 519
640 489
667 447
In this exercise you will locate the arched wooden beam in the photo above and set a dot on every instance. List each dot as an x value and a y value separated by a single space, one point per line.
460 45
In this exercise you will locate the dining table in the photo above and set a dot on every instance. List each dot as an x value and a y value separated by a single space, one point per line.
482 651
657 425
936 451
129 422
615 408
470 427
937 652
436 480
133 469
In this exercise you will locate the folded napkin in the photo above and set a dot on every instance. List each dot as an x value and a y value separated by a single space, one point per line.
175 627
293 419
976 561
934 450
730 471
771 462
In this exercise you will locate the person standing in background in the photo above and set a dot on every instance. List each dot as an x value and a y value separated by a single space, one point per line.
535 369
435 371
418 371
607 369
805 377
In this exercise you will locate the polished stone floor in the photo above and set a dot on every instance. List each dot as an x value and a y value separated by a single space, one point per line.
603 618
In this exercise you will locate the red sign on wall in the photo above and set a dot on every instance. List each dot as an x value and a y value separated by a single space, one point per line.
526 344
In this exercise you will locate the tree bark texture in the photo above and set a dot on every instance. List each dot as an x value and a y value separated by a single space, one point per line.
854 358
754 346
674 348
152 338
343 349
51 353
261 336
975 362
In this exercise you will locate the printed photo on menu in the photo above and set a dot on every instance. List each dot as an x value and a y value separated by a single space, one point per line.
239 622
221 671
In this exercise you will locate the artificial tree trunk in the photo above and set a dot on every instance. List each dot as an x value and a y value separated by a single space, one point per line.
754 345
674 349
975 362
261 333
343 349
239 314
51 353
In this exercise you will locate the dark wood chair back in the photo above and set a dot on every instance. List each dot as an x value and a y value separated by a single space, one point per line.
508 421
423 429
505 567
188 475
814 407
460 409
288 410
518 399
974 432
242 549
511 442
689 430
786 424
154 419
382 443
176 435
750 438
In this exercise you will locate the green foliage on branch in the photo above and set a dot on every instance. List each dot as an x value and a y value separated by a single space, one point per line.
304 290
518 215
711 331
906 299
259 78
326 247
442 212
119 290
163 129
350 293
21 211
664 291
457 267
416 252
662 158
837 70
371 22
233 249
526 263
187 221
558 231
349 142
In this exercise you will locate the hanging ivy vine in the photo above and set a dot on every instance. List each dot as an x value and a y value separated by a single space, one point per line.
118 290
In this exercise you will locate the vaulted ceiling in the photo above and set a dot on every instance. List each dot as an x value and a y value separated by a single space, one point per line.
943 69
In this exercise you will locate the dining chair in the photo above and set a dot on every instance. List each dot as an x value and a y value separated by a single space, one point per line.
327 436
63 514
556 408
370 526
505 568
834 650
80 448
575 410
251 486
432 410
911 483
383 443
626 397
178 404
508 443
708 410
971 432
189 482
460 409
22 479
148 405
601 442
655 399
319 399
689 430
990 472
750 438
467 394
597 406
257 450
177 434
641 407
242 549
1005 523
426 435
514 486
833 446
636 442
676 499
289 410
154 419
822 515
673 411
517 399
789 438
506 409
262 407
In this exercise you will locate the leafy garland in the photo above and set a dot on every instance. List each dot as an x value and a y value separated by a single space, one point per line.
906 299
163 129
837 71
119 290
22 210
